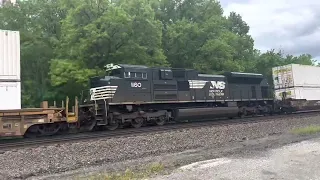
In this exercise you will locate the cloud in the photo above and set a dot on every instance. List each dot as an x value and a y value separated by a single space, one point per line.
292 25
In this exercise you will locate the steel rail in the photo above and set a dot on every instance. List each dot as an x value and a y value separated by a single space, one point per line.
82 137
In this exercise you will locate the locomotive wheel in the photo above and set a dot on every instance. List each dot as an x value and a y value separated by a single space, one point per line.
137 122
113 125
243 113
90 125
160 121
87 120
268 111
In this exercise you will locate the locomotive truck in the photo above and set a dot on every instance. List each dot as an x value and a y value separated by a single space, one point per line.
137 95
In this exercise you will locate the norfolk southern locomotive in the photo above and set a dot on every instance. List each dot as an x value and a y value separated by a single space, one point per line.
136 95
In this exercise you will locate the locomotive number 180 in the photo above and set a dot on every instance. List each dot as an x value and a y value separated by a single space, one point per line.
135 84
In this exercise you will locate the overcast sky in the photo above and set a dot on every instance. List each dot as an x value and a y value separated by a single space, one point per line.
292 25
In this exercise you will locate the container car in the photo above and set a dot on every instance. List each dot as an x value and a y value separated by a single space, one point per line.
297 85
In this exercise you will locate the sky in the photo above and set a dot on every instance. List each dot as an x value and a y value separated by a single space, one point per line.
290 25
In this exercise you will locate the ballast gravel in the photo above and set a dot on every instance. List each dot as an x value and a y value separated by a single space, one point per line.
28 162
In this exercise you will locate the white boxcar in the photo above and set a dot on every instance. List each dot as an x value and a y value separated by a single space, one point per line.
307 93
9 55
10 93
296 75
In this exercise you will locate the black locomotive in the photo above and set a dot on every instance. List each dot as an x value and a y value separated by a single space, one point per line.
135 95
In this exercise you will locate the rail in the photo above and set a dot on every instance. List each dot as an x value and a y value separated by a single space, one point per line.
7 145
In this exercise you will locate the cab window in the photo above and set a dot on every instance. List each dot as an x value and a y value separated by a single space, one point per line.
135 75
116 73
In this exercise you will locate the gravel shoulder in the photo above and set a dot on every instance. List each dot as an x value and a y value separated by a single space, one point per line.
292 161
206 163
173 149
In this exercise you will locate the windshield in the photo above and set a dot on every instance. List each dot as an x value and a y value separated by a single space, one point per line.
116 73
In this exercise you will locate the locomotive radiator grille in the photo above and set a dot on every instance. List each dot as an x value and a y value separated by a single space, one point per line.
104 92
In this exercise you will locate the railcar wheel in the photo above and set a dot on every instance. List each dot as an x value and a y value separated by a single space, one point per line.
137 122
39 130
160 121
48 129
32 132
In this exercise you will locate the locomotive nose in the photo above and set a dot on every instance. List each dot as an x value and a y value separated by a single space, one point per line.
99 82
102 89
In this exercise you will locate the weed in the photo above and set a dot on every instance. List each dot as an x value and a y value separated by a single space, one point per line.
150 170
306 130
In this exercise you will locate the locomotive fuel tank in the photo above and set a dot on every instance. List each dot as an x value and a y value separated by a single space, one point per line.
205 113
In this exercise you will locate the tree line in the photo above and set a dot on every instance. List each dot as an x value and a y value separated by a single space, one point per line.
64 42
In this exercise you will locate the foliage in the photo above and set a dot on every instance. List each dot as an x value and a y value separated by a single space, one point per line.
65 42
145 172
314 129
265 61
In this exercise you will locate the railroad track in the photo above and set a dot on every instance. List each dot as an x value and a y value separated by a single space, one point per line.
7 145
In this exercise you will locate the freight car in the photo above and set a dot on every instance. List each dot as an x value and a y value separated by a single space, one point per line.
298 84
34 122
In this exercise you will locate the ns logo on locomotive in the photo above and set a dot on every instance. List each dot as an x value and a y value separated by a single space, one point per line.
217 88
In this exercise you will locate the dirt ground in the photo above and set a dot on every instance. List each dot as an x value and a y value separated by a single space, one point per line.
237 151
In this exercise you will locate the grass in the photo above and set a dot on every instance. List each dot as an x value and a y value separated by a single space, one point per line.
150 170
307 130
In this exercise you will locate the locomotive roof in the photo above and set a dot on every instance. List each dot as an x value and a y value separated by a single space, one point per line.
210 75
132 66
228 74
245 75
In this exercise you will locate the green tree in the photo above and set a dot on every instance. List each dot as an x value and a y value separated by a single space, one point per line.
65 42
95 33
38 23
266 61
196 35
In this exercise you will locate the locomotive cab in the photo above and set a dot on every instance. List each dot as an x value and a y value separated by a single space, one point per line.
122 80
